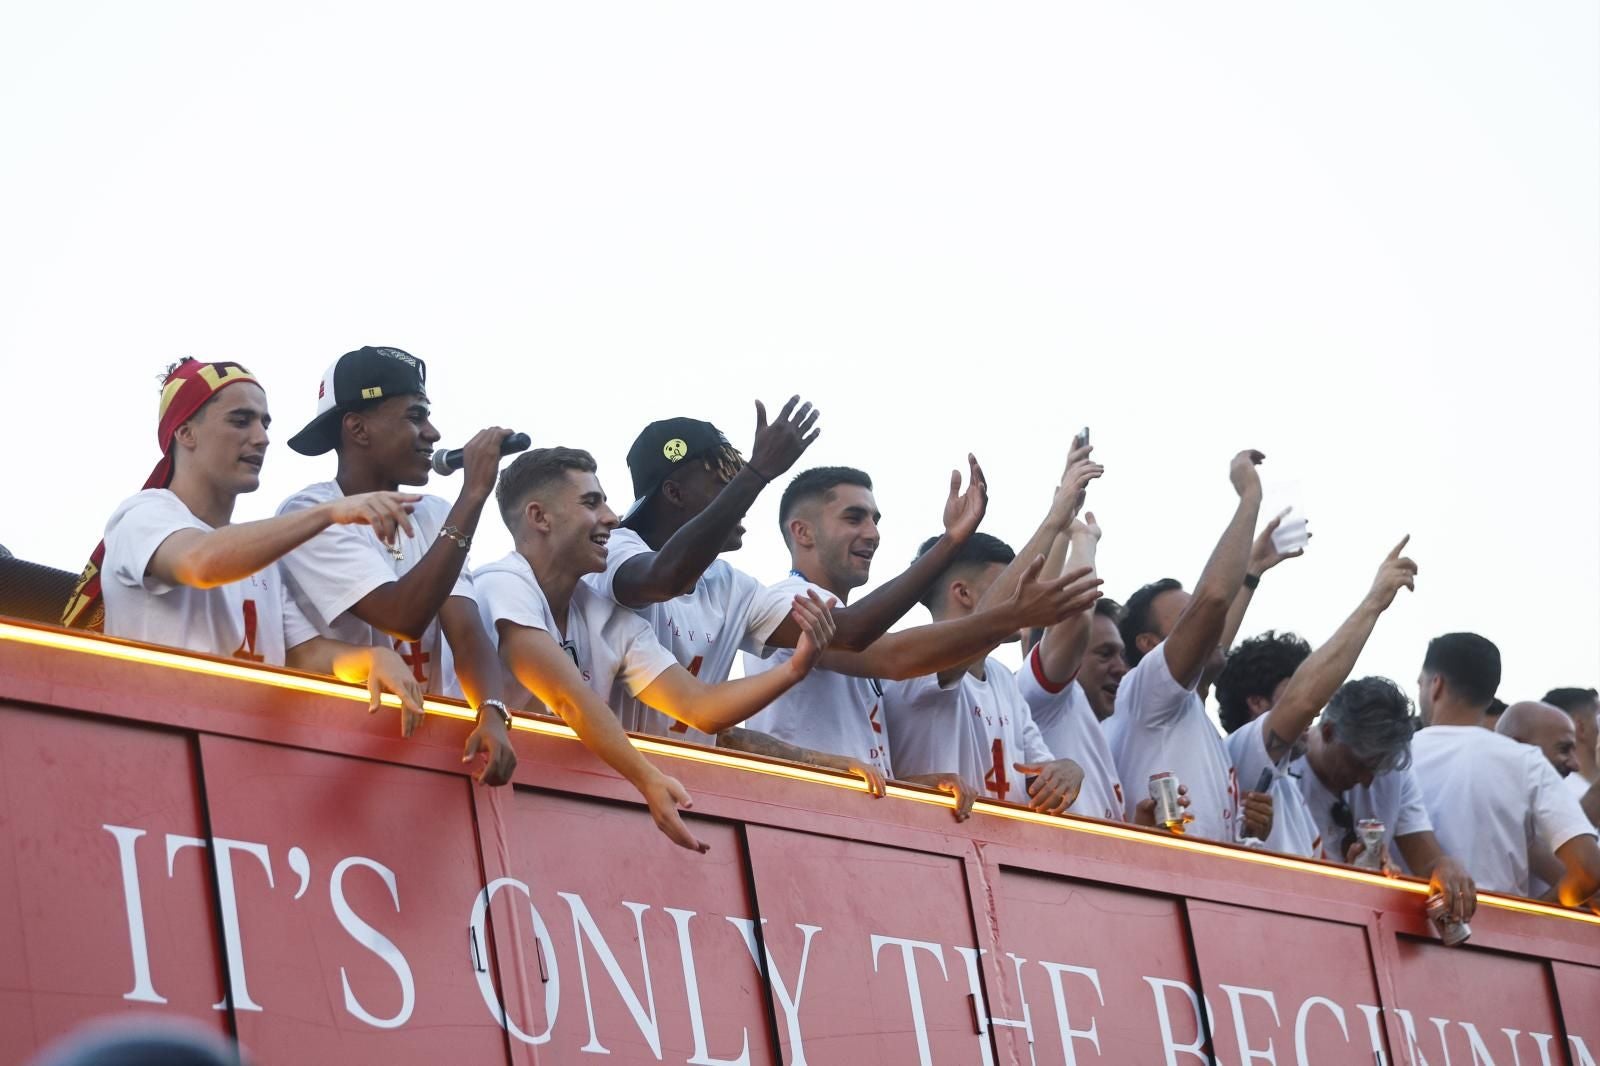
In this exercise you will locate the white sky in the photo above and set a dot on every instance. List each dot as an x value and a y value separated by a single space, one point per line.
1363 237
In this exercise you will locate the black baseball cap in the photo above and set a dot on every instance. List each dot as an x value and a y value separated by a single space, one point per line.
354 379
660 449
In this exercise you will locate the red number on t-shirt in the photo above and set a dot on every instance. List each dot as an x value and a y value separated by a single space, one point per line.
416 658
694 671
995 780
872 719
247 648
1122 804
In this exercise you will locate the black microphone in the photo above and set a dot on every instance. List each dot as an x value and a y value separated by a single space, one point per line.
449 462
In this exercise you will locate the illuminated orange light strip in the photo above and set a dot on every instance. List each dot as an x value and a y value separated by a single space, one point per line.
91 645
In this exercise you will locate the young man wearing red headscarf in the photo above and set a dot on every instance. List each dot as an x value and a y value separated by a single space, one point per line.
175 569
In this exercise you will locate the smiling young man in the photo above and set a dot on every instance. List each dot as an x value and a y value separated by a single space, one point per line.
568 646
830 524
175 568
410 594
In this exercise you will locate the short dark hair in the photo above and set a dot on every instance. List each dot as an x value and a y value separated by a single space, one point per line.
980 549
1470 664
1571 700
1255 668
816 483
1496 708
1372 717
1136 616
532 471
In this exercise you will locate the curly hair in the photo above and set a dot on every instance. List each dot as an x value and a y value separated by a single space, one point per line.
1255 668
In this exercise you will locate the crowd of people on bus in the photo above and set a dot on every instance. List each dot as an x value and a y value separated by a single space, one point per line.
633 623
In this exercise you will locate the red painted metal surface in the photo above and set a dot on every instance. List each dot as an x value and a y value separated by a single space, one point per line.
282 866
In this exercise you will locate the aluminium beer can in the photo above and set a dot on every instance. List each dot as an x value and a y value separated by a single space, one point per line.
1451 932
1370 832
1164 793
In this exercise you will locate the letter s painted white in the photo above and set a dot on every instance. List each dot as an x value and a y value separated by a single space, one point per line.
908 950
552 990
374 942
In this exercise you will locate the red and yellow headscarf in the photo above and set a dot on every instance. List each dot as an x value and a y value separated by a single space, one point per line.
185 390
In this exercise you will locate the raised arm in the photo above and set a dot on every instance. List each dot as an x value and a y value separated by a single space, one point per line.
540 665
1061 650
1264 555
714 708
862 622
1319 677
1064 504
1199 629
206 560
404 607
946 645
655 577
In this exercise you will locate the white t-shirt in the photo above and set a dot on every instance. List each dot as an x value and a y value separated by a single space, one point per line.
1577 784
334 570
1294 830
1394 798
975 727
1160 725
1488 798
828 712
248 619
1070 729
704 629
610 645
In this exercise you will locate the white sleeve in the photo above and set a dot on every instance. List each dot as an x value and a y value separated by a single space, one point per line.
504 595
768 608
137 531
464 586
641 657
1155 698
788 588
1247 747
297 628
622 546
1412 816
334 570
1035 751
1556 814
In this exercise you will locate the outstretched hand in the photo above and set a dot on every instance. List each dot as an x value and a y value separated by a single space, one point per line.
1041 603
963 511
1054 786
665 795
778 446
1396 573
387 672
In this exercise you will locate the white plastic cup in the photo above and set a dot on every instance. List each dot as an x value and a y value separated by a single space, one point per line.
1291 535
